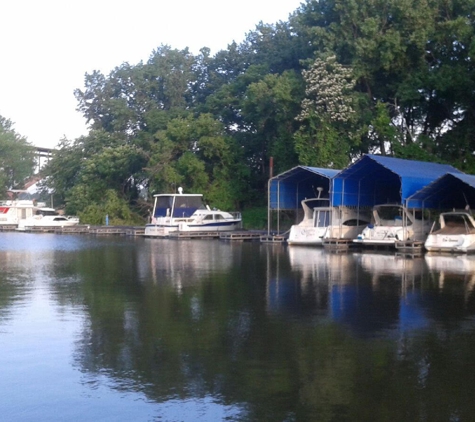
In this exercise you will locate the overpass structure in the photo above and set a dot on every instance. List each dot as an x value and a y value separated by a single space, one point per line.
43 155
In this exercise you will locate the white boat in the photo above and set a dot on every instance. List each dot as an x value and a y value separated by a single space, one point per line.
12 211
46 217
321 221
314 225
454 232
187 213
392 223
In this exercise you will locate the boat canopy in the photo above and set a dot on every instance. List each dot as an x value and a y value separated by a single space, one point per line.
183 206
452 190
376 179
288 189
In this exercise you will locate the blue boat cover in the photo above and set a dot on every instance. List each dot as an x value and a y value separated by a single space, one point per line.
288 189
452 190
376 179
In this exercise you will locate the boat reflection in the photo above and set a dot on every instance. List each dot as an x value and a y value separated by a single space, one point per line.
382 265
367 292
184 262
447 269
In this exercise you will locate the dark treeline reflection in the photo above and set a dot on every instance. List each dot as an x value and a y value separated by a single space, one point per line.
278 333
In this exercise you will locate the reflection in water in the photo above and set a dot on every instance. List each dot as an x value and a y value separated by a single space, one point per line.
453 266
157 329
177 262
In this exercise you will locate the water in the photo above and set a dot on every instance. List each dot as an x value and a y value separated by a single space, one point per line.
120 329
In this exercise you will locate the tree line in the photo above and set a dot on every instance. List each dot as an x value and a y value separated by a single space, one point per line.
338 79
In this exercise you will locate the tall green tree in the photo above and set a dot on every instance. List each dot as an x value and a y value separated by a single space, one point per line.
17 159
197 154
121 101
269 108
81 171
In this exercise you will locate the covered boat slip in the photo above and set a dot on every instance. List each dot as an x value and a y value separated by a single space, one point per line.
387 184
369 182
375 179
448 192
454 196
288 189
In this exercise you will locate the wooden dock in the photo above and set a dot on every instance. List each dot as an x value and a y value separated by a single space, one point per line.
335 244
273 238
193 235
412 247
85 229
240 236
80 229
8 228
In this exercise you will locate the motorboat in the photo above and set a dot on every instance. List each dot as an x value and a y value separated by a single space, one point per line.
321 221
314 225
392 223
12 211
187 213
454 232
46 217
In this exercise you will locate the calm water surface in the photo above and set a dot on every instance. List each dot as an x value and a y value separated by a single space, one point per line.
119 329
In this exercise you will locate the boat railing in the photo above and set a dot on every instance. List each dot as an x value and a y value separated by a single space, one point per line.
236 215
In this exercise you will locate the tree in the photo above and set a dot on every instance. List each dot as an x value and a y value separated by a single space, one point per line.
196 152
17 159
269 108
415 57
120 102
329 125
80 172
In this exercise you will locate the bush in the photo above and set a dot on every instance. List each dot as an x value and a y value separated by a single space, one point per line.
255 218
116 208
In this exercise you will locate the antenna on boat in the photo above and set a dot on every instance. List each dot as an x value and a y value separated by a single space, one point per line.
180 190
320 190
467 205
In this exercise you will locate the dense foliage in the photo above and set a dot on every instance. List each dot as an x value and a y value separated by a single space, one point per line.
17 160
340 78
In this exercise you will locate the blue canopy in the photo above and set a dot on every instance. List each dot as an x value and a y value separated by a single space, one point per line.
452 190
288 189
376 179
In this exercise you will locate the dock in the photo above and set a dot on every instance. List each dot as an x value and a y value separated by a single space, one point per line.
193 235
412 247
273 238
85 229
240 236
336 244
8 228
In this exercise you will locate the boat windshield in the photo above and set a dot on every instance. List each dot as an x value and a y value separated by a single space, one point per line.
46 212
390 213
458 220
321 218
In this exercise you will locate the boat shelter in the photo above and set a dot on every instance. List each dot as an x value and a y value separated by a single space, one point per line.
450 191
377 179
288 189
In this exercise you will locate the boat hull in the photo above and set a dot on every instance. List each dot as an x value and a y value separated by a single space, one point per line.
306 235
461 243
160 230
25 224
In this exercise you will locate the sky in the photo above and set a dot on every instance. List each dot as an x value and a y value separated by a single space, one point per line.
47 46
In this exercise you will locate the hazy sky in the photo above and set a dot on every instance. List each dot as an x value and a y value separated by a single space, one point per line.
47 46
